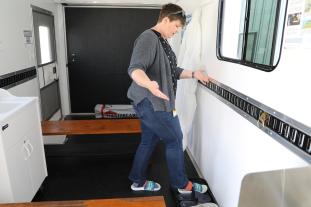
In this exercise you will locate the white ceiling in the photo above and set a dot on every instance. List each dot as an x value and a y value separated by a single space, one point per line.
118 2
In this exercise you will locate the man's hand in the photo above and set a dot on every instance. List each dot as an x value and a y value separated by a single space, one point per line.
141 78
201 76
153 87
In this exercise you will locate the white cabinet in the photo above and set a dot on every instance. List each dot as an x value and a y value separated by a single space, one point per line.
36 160
19 177
22 158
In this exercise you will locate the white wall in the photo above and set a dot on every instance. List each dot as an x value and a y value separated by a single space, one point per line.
226 146
15 54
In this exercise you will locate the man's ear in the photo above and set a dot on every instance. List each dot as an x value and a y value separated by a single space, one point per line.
166 20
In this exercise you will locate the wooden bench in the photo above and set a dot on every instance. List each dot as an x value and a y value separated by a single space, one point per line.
102 126
154 201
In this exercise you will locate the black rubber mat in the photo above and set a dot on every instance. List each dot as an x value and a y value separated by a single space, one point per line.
97 166
90 170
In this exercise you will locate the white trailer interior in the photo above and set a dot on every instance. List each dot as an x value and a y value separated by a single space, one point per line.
243 161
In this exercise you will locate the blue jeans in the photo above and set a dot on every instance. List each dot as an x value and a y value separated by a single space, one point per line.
156 125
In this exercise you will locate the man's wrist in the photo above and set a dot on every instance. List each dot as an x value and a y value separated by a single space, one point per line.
192 74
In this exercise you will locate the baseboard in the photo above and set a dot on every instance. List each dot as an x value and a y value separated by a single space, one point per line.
194 163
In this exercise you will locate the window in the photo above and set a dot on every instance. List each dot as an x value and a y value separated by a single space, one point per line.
250 32
45 44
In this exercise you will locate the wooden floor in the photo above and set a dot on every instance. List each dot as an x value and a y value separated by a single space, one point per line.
154 201
102 126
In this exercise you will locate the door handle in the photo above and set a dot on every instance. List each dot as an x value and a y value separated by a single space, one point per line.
24 147
30 145
73 57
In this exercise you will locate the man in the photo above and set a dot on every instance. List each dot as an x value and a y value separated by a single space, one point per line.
154 71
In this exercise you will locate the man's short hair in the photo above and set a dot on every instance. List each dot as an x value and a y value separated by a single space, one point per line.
173 12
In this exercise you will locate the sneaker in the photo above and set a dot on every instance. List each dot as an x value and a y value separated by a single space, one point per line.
187 189
200 188
148 186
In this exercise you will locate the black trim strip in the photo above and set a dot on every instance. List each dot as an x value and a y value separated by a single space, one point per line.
16 78
289 132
